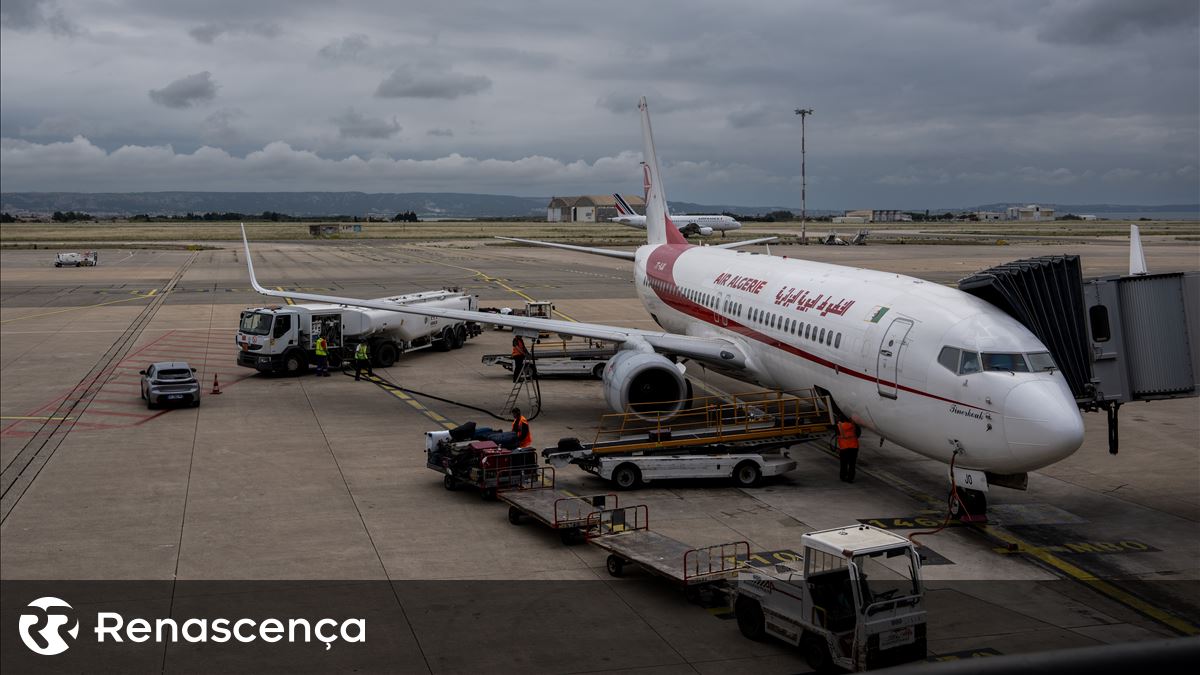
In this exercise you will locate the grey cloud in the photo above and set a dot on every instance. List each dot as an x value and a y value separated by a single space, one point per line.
448 133
409 82
754 116
353 124
345 49
186 91
1111 21
625 103
30 15
219 126
209 32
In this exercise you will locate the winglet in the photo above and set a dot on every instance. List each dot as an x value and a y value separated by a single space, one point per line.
659 228
1137 258
250 264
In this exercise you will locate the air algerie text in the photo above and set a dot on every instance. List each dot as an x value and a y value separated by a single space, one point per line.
740 283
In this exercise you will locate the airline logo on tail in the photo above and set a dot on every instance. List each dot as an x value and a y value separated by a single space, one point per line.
623 207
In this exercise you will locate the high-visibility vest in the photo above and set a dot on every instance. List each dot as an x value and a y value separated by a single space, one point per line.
847 436
524 434
322 347
519 348
360 354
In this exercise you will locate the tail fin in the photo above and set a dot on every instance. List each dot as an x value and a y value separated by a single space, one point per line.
623 207
659 228
1137 258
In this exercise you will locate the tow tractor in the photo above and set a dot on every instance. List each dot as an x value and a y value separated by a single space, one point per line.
854 600
739 438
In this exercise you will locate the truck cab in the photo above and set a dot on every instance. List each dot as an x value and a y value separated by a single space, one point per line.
854 600
282 338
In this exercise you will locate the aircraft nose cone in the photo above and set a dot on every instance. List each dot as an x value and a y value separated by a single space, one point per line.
1042 424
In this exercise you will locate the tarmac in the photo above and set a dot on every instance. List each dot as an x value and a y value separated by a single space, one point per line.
320 479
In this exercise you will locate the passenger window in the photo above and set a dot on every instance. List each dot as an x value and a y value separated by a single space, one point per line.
949 358
837 341
807 326
829 338
283 323
1098 318
969 363
822 337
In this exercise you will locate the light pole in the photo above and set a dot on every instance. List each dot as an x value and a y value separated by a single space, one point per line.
803 113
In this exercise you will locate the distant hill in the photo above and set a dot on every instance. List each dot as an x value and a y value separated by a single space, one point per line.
316 204
1097 209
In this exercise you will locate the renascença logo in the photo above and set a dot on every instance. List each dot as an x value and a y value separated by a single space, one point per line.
42 629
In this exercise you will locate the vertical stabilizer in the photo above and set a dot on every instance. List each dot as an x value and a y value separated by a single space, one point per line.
659 228
1137 258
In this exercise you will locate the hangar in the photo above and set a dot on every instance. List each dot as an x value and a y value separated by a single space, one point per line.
588 208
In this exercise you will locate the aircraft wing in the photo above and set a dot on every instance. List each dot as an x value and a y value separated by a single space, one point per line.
747 242
712 350
623 255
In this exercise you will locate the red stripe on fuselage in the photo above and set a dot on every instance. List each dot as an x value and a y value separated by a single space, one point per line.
660 266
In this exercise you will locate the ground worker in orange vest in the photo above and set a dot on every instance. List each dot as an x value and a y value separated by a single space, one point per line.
519 354
847 446
520 427
322 357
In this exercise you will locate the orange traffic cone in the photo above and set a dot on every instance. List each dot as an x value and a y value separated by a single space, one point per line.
216 385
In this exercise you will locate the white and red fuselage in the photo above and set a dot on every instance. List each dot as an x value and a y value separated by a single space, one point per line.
873 341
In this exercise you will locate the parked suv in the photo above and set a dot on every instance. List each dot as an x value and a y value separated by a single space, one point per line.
170 382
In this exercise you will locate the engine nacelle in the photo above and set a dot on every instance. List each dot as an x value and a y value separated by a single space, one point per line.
704 231
644 383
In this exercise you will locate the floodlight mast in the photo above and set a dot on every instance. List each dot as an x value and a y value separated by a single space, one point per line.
803 113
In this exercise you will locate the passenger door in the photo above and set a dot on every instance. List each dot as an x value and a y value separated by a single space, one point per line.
887 364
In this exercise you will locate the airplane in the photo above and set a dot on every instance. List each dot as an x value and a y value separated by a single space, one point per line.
702 225
935 370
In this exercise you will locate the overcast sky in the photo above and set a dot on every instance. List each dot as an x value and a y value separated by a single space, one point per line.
917 104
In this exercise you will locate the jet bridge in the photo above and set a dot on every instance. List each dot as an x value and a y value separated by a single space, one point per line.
1116 339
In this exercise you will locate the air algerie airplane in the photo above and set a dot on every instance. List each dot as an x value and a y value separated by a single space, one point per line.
935 370
688 225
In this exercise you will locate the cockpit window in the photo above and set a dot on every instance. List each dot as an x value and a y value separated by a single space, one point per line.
949 358
1013 363
1040 362
969 364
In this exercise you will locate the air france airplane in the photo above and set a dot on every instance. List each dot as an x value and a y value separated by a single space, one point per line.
700 224
935 370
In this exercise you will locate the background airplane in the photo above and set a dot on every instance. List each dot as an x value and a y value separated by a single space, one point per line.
935 370
703 225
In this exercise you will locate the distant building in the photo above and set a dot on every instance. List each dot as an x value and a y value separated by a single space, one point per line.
588 208
1031 212
856 220
989 215
873 216
331 229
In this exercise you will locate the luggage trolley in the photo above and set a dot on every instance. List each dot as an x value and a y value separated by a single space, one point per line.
534 494
625 533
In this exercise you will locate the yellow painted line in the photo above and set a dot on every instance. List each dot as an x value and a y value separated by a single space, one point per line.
1051 560
417 405
72 309
287 300
56 419
1095 582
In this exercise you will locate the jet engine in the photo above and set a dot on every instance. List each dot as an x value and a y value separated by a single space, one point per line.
704 231
644 382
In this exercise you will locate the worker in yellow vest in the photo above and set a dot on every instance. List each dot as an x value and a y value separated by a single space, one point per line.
322 357
847 446
520 427
362 360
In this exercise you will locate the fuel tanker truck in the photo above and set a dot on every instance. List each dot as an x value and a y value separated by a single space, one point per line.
283 338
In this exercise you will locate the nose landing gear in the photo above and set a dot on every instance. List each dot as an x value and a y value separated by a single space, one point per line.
967 505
